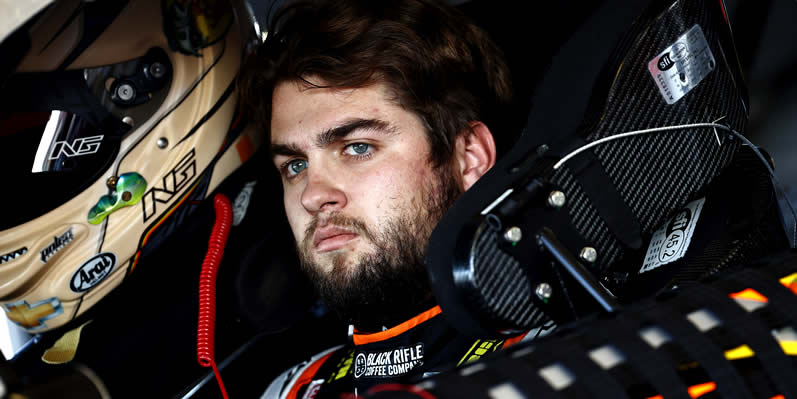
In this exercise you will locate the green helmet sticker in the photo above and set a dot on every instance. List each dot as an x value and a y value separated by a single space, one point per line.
130 187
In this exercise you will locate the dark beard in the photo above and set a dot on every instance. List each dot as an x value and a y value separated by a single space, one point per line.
390 285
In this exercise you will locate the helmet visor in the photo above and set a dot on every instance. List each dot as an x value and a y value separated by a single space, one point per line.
61 130
55 155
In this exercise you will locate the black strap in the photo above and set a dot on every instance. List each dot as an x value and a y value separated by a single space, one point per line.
779 297
729 383
478 379
452 385
608 202
596 379
521 376
547 354
751 330
655 368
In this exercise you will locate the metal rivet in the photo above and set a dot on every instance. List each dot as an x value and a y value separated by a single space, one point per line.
163 143
513 234
543 291
588 254
126 196
157 70
556 199
128 120
111 182
125 92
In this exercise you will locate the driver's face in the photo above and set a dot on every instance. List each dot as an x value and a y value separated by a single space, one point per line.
352 162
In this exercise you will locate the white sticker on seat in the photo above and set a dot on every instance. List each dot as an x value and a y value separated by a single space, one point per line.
670 242
683 65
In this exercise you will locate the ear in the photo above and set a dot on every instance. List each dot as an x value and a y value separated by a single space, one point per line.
475 153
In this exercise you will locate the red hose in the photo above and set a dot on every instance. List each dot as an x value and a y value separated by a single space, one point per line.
207 285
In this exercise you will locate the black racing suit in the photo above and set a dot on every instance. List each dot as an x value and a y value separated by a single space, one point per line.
424 345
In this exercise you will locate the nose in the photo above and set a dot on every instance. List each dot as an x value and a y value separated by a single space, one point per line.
322 193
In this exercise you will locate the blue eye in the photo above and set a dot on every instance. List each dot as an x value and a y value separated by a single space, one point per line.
296 166
357 148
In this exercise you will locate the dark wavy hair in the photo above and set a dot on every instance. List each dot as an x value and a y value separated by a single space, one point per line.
436 62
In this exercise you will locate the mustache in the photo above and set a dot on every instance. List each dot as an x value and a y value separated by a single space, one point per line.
337 219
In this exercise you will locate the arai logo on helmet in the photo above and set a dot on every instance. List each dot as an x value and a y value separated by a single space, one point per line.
92 272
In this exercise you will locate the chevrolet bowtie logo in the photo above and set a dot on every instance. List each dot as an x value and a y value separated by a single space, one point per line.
33 317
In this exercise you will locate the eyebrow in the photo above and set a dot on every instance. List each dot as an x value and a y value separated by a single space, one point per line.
330 136
335 134
289 150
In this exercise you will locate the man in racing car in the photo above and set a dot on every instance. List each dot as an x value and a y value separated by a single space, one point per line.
378 119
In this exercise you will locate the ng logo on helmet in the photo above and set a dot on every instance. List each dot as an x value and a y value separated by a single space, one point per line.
81 146
92 272
173 182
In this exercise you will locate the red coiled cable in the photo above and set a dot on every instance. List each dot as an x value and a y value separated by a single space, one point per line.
207 286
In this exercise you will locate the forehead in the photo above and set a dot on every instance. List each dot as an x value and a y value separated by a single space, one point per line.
299 110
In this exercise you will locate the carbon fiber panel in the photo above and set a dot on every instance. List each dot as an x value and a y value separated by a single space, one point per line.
586 219
657 173
503 283
647 177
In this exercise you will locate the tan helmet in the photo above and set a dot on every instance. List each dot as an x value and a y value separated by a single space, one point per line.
113 116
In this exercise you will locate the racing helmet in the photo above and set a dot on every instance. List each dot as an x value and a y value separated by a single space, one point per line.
113 116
